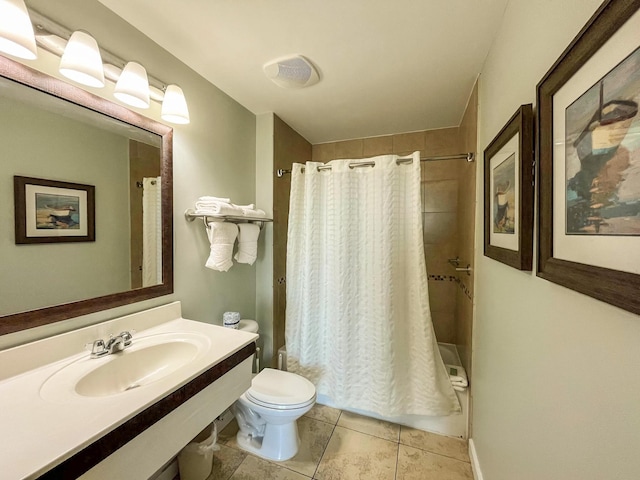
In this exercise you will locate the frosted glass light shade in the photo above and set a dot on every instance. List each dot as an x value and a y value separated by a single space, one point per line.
81 60
133 86
174 106
16 31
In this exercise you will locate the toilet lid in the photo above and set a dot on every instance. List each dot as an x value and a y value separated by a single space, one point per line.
275 387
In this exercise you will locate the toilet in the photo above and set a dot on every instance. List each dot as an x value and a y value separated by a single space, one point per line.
267 413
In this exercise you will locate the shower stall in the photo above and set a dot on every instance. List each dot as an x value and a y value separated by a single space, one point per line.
448 211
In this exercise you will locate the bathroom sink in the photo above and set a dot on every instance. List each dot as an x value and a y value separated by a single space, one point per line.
132 369
146 361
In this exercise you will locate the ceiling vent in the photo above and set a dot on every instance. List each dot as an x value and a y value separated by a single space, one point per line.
294 71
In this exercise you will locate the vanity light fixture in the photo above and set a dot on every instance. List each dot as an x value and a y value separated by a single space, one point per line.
132 87
174 106
84 62
16 31
81 60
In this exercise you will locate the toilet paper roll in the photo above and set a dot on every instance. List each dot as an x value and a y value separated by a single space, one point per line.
231 319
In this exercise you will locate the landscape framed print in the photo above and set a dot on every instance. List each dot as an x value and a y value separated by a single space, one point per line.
49 211
508 192
589 160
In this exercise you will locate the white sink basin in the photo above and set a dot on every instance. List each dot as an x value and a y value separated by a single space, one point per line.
146 361
132 369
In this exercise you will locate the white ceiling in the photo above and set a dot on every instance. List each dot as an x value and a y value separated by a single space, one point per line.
386 66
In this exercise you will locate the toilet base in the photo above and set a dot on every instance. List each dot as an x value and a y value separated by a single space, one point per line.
280 442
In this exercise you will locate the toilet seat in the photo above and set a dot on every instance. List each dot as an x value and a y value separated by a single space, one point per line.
281 390
275 406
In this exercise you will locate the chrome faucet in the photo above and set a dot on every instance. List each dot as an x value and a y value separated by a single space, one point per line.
113 345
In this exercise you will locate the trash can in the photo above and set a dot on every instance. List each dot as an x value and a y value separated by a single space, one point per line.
195 461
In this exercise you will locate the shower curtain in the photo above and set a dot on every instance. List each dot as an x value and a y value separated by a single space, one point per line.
358 323
151 231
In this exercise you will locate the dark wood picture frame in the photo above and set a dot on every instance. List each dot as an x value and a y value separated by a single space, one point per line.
23 219
521 124
616 287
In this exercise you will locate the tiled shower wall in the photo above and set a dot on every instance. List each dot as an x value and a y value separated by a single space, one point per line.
466 231
448 204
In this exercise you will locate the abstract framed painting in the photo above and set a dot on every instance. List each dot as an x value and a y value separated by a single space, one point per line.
589 160
508 192
50 211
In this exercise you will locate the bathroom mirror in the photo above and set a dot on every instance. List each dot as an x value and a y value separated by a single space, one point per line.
55 135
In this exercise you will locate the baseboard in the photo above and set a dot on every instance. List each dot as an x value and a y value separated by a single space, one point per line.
475 464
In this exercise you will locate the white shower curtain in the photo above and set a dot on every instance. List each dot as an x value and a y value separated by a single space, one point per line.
358 323
151 231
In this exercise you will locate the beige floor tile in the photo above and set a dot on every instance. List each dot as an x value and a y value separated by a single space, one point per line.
314 437
416 464
324 413
371 426
352 455
254 468
225 462
431 442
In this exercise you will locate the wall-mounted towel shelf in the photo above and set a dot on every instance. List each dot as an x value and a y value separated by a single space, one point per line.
191 215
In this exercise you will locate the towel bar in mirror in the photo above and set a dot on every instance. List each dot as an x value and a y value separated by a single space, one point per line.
191 215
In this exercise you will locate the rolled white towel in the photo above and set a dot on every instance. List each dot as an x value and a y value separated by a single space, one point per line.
247 243
222 236
457 375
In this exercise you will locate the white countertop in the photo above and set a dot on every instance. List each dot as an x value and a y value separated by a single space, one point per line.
37 434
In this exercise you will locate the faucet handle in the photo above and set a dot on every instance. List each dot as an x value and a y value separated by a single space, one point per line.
98 348
127 337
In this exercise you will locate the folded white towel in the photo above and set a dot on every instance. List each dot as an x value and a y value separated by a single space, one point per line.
251 206
222 236
216 206
247 243
218 209
214 199
459 389
254 213
457 375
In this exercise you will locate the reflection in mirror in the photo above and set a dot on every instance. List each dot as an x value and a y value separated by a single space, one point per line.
81 139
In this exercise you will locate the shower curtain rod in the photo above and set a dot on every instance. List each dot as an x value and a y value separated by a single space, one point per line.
469 157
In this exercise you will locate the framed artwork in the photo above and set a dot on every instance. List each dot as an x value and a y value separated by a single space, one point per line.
508 192
589 160
48 211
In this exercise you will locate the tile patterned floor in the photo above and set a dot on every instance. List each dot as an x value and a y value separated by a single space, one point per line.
337 445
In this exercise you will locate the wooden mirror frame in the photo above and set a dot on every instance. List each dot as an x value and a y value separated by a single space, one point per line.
43 82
